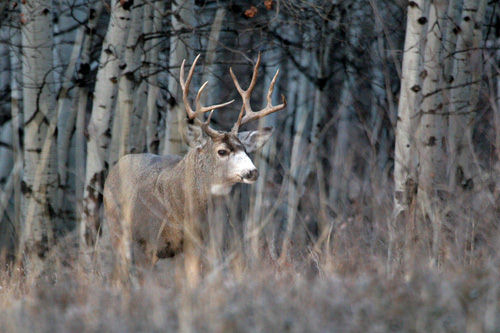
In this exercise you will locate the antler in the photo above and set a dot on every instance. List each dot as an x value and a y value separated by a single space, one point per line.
247 114
199 108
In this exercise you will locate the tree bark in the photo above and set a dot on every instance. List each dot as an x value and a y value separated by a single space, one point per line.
124 113
404 163
17 125
153 90
449 40
339 177
6 156
82 97
40 160
431 135
463 97
262 160
211 54
66 112
99 125
176 116
298 154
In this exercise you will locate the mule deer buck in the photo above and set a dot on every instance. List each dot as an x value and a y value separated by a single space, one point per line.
154 203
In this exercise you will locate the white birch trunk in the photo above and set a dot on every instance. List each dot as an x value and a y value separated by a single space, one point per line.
82 98
431 135
6 156
16 113
493 71
449 40
99 125
5 71
40 160
210 56
176 116
66 113
65 32
463 97
153 24
125 113
404 155
404 166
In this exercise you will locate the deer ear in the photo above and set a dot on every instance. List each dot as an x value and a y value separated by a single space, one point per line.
254 140
194 136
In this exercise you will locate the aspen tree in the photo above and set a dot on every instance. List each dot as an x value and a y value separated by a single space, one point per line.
175 120
404 168
99 125
40 181
431 133
463 96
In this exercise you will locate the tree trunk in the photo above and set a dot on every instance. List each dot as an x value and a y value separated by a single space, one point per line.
298 154
431 135
40 181
99 126
82 92
449 42
262 160
176 116
339 174
209 66
342 160
17 125
6 157
404 164
66 112
463 98
153 90
124 112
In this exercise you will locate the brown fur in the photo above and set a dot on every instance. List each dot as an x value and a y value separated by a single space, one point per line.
148 198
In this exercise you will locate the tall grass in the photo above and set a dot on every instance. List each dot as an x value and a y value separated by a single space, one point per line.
334 280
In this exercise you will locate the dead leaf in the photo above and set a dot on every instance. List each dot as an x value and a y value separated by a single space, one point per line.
251 12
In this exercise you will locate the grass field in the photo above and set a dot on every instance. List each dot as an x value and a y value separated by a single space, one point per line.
345 284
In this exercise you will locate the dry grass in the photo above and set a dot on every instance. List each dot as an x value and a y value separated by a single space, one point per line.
342 287
264 298
341 282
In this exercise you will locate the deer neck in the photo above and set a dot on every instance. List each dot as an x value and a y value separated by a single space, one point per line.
186 186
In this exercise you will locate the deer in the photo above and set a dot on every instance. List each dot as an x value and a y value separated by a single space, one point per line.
153 203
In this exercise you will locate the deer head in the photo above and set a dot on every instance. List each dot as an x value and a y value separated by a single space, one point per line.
226 153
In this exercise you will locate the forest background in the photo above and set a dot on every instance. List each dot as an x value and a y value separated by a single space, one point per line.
378 202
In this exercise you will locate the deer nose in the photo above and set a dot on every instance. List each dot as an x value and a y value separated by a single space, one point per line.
251 175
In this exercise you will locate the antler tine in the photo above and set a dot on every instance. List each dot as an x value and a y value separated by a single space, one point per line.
185 86
252 82
200 108
254 76
206 127
271 88
247 114
185 92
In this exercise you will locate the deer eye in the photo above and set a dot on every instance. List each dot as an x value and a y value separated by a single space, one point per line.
222 152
